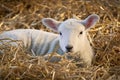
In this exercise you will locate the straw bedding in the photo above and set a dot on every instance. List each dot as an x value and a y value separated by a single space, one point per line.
18 64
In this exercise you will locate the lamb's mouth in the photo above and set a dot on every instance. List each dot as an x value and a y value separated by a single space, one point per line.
69 52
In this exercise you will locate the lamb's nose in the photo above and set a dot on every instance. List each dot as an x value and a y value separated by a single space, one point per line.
69 48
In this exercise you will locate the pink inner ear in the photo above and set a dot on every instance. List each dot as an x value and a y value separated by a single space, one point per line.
51 24
89 22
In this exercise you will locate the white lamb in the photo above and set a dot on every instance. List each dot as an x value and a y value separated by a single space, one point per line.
71 38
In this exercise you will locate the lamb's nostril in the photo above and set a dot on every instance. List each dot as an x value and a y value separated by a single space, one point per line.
69 48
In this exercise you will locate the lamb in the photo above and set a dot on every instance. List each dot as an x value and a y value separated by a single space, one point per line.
72 37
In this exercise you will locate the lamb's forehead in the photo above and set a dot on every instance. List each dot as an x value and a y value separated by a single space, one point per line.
72 24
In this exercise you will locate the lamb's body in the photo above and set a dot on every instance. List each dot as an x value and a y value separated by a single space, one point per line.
72 37
39 41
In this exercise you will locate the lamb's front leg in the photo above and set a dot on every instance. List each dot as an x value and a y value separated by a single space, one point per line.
87 58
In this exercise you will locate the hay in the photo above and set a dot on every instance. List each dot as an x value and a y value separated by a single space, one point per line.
17 63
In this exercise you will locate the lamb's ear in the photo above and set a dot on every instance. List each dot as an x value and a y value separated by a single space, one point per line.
90 21
51 23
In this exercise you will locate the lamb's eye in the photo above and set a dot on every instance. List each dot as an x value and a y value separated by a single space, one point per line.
60 33
81 32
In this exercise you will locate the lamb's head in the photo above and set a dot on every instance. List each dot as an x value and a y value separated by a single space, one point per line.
72 32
